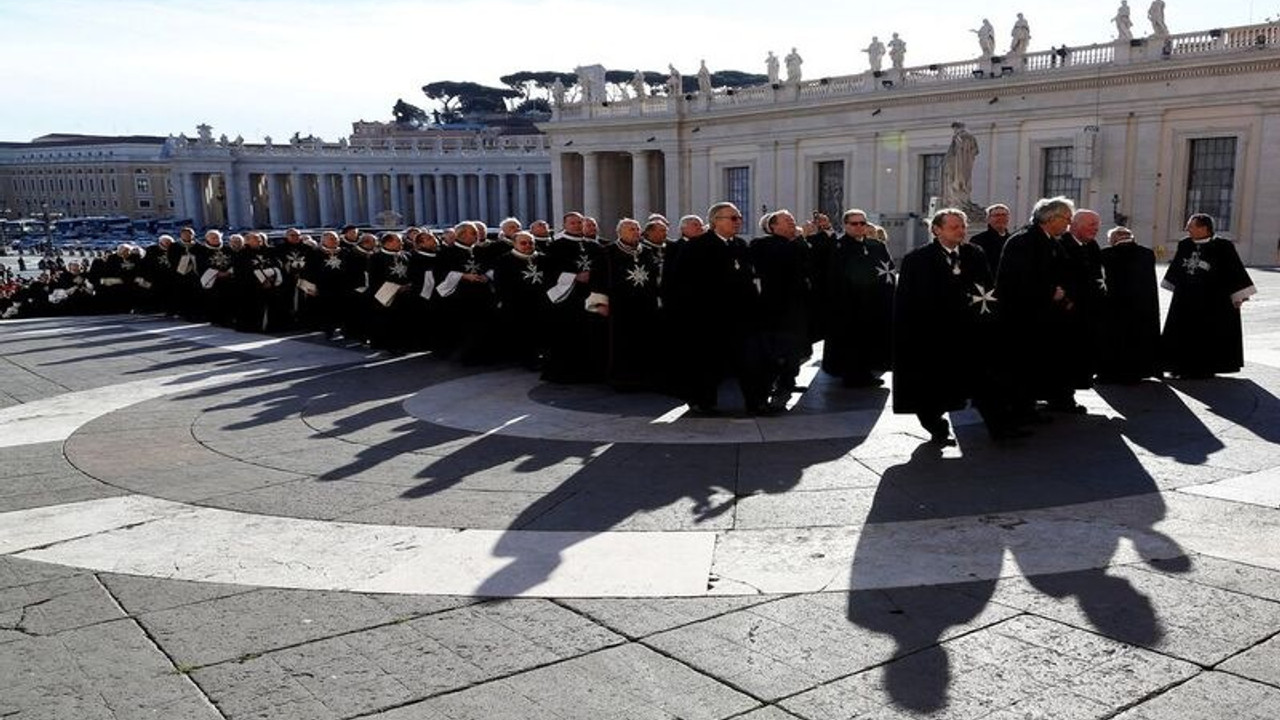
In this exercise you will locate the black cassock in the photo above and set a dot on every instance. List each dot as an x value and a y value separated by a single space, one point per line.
216 280
257 288
326 279
820 245
626 279
858 306
944 319
355 311
1032 344
467 307
113 277
186 300
423 300
155 280
1130 345
575 337
1082 322
388 300
716 297
783 340
992 243
521 283
292 259
1202 333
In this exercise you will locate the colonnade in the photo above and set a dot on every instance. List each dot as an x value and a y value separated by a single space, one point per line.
266 198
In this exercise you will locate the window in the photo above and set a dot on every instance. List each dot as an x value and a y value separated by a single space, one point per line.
1058 176
143 185
144 204
930 179
113 184
1211 179
737 184
830 188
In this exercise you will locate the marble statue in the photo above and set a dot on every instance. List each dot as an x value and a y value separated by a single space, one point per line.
957 168
875 54
1124 26
897 51
794 61
704 79
591 80
557 93
1021 36
771 67
638 86
986 38
1155 14
675 83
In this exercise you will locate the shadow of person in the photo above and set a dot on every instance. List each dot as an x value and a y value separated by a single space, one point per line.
1240 401
1157 420
1054 509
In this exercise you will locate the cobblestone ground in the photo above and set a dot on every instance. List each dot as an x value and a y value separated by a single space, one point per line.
199 524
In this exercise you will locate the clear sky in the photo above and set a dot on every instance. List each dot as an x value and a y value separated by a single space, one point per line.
273 67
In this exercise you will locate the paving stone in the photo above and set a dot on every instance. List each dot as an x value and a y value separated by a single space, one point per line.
138 595
259 688
255 622
780 648
837 507
307 498
1224 574
1015 668
768 712
109 670
17 571
454 508
82 490
1210 696
1261 662
802 466
1149 608
53 606
640 617
694 508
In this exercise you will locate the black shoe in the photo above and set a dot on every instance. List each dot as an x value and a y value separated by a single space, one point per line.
703 411
1070 408
1009 433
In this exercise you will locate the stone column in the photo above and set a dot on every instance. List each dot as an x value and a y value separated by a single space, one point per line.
373 195
419 200
543 195
557 187
350 205
591 184
504 206
464 197
393 180
237 187
482 183
639 185
298 188
324 190
275 201
522 198
191 206
671 170
437 185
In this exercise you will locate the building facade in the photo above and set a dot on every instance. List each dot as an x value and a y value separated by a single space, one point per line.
376 178
83 175
1144 131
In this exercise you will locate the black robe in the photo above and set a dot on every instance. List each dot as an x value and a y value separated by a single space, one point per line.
627 281
215 278
1202 334
716 297
423 300
521 284
292 259
322 308
154 280
575 338
1032 351
355 310
187 299
1130 346
858 307
1086 290
388 322
992 244
944 318
820 246
783 273
468 308
257 286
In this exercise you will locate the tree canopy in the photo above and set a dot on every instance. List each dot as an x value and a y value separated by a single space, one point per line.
409 115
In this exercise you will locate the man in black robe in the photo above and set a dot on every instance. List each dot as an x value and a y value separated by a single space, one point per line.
291 256
992 239
821 239
1129 349
781 262
1082 322
187 300
257 279
214 272
624 291
468 304
943 321
156 277
575 343
717 299
323 283
1202 335
1030 284
521 284
857 303
388 295
423 300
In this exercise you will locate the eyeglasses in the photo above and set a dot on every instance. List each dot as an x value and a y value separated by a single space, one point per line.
855 222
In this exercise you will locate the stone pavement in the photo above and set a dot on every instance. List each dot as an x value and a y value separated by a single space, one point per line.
201 524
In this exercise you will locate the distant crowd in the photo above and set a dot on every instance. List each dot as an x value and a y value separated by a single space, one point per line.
1011 321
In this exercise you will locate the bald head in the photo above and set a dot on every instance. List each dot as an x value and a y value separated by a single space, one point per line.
1084 225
